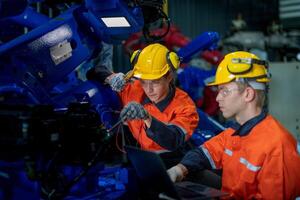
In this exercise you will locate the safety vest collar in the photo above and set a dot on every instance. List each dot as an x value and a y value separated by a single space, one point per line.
247 127
162 105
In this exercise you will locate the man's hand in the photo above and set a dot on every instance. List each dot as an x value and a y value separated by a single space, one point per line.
116 81
177 173
134 110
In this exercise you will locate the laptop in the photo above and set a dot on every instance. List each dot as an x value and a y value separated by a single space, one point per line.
152 173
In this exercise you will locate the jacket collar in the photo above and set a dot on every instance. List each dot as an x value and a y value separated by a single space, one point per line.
162 105
243 130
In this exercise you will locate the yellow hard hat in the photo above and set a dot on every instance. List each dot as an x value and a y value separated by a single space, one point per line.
238 65
154 61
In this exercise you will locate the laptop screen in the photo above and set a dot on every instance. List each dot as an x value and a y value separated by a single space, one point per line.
151 171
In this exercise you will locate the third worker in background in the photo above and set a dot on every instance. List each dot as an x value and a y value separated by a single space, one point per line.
258 155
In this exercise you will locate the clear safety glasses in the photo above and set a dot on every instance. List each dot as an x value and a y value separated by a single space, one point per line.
152 83
224 92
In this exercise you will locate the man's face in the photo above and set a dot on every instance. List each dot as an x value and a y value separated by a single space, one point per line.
157 89
230 100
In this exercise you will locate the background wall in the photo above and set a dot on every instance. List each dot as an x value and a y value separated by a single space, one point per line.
289 13
284 95
196 16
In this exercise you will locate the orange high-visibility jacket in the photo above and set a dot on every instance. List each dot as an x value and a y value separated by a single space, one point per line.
264 164
180 112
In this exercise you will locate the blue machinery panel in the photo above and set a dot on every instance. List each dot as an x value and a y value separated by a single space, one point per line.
32 67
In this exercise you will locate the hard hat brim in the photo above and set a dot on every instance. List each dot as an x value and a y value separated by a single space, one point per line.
150 76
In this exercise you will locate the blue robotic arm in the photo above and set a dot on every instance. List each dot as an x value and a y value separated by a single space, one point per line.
54 49
34 63
206 40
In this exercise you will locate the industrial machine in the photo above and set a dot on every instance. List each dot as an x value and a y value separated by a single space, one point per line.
46 126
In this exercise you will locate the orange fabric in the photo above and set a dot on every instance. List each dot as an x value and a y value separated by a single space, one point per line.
181 112
269 146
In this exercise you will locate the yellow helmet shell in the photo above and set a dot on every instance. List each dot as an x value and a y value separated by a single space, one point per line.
151 62
237 65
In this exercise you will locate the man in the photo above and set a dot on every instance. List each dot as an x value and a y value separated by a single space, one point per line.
238 24
160 116
259 156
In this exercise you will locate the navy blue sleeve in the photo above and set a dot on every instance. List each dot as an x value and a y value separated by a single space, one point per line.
196 160
98 73
167 136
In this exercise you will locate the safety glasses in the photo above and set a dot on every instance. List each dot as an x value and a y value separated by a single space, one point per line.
243 65
153 83
224 92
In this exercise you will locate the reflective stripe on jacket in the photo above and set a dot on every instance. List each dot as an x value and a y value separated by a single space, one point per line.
264 164
180 114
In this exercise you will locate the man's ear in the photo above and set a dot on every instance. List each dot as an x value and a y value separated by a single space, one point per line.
249 94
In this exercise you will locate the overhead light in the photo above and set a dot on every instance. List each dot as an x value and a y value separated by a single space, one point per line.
115 22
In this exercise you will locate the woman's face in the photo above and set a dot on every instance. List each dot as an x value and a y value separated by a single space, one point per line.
156 90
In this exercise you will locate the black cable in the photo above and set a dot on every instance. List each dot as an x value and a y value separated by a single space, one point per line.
153 38
90 164
75 180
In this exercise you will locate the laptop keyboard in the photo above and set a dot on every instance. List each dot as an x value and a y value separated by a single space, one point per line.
195 187
191 190
187 193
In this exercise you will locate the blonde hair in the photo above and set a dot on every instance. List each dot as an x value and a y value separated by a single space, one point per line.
260 94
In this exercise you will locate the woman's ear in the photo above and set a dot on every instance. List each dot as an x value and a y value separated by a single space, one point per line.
169 77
